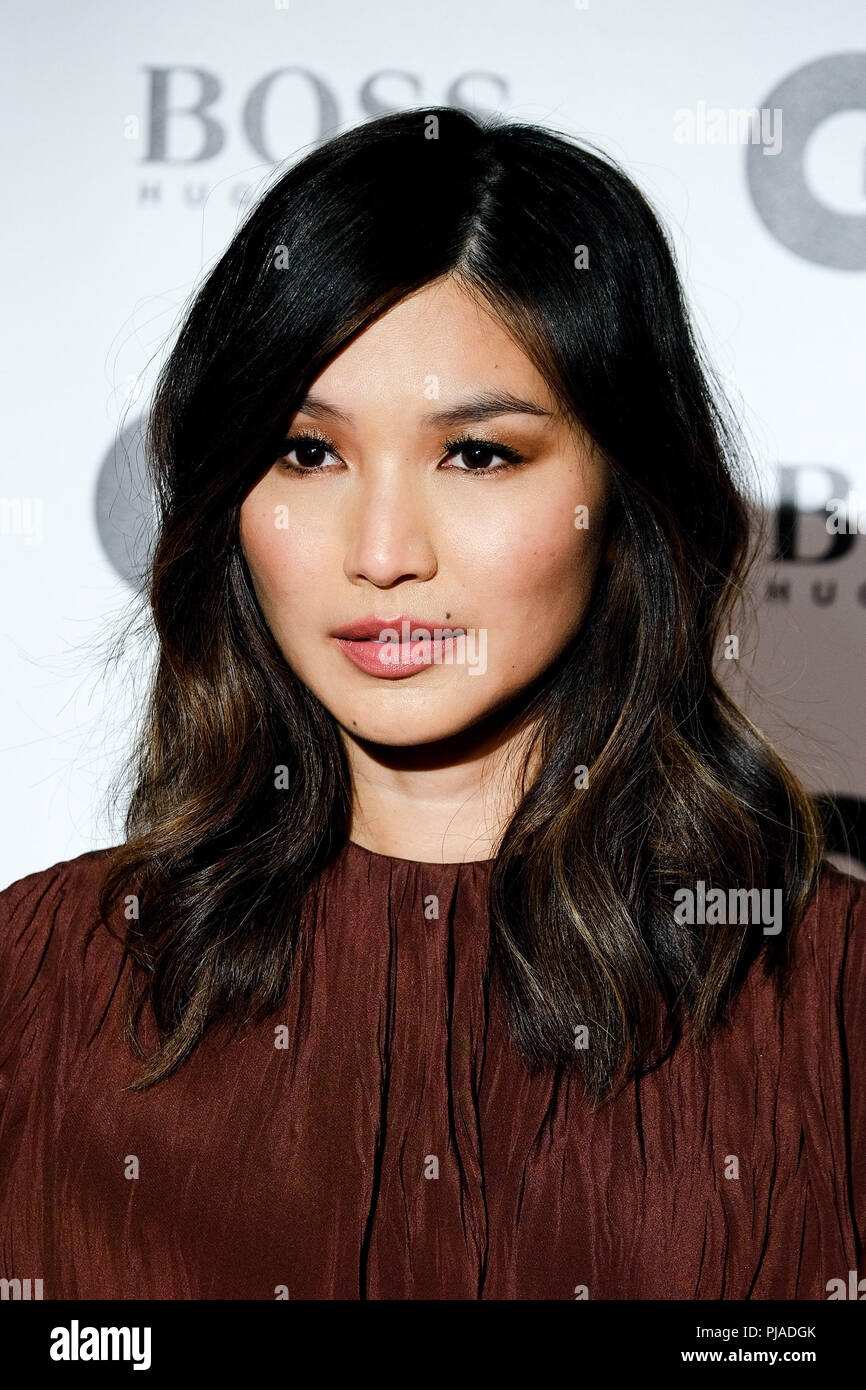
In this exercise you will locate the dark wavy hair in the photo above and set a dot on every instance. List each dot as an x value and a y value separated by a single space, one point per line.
681 785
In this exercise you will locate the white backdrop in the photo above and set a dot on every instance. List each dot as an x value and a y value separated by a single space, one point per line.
118 196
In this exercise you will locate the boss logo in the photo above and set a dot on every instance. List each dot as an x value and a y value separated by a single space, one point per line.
189 115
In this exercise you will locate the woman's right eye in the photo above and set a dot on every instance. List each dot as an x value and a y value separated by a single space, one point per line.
309 450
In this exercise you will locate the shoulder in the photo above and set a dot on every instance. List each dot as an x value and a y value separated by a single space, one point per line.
65 887
83 869
832 952
45 919
831 940
828 978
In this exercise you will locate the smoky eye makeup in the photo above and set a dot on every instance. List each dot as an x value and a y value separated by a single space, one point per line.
313 444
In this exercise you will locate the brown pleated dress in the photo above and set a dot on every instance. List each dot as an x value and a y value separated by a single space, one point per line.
380 1138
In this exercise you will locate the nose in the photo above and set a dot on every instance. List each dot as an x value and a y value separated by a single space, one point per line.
389 528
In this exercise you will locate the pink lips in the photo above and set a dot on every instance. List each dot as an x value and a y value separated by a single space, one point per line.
408 644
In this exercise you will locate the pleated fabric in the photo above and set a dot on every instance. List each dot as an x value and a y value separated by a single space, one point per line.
379 1137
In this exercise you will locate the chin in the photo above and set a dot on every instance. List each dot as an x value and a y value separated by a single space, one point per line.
405 728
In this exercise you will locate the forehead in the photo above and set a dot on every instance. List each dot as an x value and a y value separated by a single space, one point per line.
436 344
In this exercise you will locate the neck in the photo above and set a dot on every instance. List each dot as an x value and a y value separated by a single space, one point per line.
443 802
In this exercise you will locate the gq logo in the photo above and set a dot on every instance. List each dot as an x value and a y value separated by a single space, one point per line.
789 209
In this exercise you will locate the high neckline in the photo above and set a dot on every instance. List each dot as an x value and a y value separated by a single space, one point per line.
352 847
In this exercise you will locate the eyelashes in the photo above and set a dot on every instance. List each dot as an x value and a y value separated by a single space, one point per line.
321 444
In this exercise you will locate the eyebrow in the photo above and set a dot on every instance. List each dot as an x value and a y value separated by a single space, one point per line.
484 405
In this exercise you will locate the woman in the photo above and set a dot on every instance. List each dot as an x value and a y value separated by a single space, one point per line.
477 945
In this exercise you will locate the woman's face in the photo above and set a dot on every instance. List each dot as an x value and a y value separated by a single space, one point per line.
379 518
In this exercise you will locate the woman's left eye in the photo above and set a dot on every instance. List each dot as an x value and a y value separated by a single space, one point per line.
477 452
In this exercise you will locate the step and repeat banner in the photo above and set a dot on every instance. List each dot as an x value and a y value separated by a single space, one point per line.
135 139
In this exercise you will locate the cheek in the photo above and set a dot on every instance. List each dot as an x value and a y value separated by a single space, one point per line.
281 558
535 566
